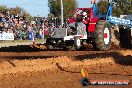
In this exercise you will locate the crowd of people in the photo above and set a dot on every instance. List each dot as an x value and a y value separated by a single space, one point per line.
24 29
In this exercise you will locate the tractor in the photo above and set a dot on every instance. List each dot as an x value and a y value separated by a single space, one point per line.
87 26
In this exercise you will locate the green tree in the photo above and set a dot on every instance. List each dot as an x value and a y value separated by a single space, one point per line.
15 11
20 12
122 7
102 5
26 14
55 7
3 9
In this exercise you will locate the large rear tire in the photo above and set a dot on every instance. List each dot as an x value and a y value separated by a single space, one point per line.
102 40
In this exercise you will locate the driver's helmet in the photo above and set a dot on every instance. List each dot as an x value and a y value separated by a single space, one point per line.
84 14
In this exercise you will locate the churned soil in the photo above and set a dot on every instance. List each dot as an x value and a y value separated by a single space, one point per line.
62 69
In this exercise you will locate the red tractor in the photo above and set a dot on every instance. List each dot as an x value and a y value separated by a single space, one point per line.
85 27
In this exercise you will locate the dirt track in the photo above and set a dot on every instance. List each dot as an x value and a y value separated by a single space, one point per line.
61 69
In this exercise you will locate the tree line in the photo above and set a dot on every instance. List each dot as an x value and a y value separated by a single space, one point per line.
55 7
17 11
122 7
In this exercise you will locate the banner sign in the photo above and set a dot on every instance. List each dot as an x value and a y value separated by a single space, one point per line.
6 36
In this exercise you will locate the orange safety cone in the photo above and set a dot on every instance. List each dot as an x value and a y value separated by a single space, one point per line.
84 73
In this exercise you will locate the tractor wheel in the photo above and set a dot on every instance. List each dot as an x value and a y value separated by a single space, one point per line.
102 38
49 43
77 43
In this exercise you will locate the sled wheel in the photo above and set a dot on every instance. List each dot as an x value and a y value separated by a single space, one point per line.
69 45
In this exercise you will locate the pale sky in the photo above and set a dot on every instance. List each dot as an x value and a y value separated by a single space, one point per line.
38 7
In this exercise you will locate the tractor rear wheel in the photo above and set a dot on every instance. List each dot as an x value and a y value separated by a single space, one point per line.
49 43
102 38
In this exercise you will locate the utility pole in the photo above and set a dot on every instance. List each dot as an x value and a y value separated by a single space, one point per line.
62 16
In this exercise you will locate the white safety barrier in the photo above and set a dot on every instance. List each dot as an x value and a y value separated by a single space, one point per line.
6 36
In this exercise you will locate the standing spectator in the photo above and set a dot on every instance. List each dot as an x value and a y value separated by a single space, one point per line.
23 35
36 31
41 33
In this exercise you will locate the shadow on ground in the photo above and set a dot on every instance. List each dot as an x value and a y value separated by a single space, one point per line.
119 58
27 57
19 48
28 48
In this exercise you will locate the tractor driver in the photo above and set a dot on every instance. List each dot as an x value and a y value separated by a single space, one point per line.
85 18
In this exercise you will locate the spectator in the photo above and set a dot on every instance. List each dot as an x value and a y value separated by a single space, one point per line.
23 35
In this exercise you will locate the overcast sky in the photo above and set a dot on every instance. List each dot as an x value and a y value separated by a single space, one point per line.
37 7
